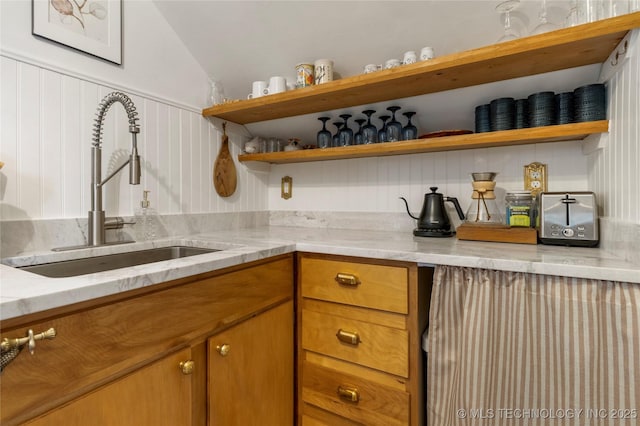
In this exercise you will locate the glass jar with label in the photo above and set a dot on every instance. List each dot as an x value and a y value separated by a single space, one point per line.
519 208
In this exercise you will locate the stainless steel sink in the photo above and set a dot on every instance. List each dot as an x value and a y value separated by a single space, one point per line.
90 265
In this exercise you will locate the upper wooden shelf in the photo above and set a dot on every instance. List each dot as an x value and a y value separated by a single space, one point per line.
562 132
562 49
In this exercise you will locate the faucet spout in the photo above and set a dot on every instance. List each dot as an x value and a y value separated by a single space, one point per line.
96 225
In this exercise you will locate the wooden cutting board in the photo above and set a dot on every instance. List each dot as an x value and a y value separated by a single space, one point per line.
224 170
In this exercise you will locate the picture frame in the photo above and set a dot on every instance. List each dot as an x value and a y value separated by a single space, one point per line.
90 26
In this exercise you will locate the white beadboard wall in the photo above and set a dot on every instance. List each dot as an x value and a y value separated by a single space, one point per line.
614 171
45 140
374 184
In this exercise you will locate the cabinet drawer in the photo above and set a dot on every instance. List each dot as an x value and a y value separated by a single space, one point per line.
354 398
373 286
380 347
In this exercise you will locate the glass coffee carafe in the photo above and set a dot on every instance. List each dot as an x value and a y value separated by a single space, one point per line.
483 209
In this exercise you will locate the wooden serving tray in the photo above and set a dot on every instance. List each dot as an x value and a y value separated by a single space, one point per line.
497 233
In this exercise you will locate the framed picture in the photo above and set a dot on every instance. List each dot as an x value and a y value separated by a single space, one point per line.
91 26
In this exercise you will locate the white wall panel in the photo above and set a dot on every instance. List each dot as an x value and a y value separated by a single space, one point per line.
47 123
375 184
51 137
613 170
9 137
71 160
29 146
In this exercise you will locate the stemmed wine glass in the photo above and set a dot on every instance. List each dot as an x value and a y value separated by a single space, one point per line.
369 131
358 139
409 132
336 136
346 134
382 133
394 128
323 138
507 7
544 25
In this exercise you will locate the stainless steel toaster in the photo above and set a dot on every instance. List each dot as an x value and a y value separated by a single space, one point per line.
568 218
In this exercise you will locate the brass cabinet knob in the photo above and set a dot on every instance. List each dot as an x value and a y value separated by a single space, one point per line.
348 393
348 337
186 367
223 349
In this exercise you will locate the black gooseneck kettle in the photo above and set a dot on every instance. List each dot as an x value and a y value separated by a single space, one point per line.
433 220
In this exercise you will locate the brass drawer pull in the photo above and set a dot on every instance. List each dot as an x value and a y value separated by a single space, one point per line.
348 337
347 279
348 394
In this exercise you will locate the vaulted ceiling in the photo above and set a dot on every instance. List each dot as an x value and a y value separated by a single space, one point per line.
237 42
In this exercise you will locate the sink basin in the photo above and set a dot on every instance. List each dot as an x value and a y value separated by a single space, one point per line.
90 265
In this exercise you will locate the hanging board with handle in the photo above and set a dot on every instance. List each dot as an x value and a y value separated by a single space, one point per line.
224 170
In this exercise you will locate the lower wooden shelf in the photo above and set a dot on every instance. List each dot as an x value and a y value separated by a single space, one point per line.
558 133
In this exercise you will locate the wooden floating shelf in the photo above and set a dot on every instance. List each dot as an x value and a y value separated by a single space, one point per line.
566 48
563 132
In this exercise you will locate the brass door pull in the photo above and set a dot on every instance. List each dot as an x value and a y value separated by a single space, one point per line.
30 340
348 393
10 348
186 367
223 349
347 279
349 337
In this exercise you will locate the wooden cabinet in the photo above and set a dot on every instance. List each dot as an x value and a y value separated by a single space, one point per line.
129 347
158 394
566 48
250 371
359 336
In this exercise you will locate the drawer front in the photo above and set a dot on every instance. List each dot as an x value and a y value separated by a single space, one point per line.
354 398
372 286
380 347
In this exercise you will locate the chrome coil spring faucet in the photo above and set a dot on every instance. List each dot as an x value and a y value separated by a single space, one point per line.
97 220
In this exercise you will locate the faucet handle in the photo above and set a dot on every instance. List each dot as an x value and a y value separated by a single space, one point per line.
117 223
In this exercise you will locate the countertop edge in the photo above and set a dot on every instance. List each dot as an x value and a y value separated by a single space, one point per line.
23 293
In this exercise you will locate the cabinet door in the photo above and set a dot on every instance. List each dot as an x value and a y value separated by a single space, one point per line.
251 371
159 394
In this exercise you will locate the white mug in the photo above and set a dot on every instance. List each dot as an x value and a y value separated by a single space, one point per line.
410 57
372 68
323 70
392 63
257 89
276 85
426 53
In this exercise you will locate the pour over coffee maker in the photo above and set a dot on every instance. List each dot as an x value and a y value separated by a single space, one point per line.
483 209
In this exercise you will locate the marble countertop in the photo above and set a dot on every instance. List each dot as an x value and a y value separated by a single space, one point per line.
23 292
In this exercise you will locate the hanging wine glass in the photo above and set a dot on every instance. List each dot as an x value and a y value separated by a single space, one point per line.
369 131
394 128
507 7
323 138
358 138
544 25
409 132
382 133
346 134
336 136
